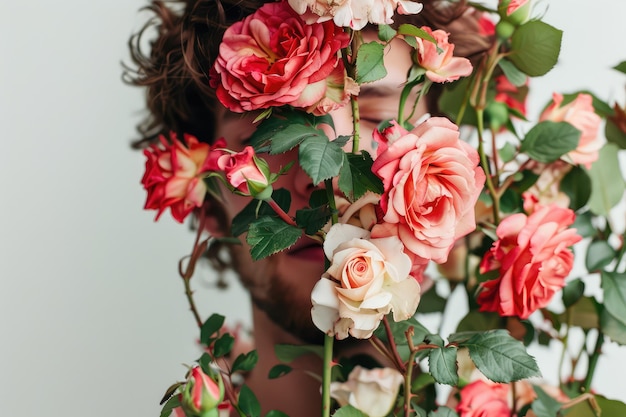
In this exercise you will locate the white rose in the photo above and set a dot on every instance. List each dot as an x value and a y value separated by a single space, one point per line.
372 391
367 279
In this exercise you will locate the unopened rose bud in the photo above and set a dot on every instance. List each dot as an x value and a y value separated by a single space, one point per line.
247 173
202 394
514 11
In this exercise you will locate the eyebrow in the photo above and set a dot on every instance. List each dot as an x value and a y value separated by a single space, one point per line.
377 91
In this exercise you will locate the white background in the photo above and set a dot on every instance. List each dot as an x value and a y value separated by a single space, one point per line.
93 319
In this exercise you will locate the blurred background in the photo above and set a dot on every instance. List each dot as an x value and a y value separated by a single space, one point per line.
93 317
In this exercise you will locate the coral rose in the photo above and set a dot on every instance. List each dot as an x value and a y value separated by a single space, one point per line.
367 279
272 58
173 176
580 114
354 14
244 169
372 391
431 182
532 258
484 399
438 60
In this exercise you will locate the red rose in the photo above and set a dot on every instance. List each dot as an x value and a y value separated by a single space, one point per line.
173 176
243 168
532 257
272 58
483 399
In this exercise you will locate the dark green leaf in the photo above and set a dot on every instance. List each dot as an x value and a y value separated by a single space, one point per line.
292 136
544 405
279 370
613 327
245 362
386 33
535 47
453 97
442 365
621 67
611 408
170 405
248 402
276 413
583 224
411 30
242 221
443 411
370 65
170 391
312 219
269 235
607 184
422 381
514 75
614 287
287 353
614 134
583 314
431 302
500 357
223 345
320 158
210 327
398 330
205 363
577 186
356 176
599 255
348 411
479 321
572 292
548 141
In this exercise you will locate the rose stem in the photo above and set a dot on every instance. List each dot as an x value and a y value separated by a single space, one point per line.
281 213
392 345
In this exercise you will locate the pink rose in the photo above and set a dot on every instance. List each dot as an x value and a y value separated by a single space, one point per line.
243 170
440 67
484 399
532 257
431 182
201 393
367 279
272 58
372 391
173 176
515 5
354 14
580 114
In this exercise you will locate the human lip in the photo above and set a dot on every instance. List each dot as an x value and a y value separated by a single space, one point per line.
308 251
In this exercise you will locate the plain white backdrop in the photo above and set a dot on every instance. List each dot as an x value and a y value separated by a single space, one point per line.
93 318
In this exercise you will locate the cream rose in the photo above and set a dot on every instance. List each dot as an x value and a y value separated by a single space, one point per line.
367 279
372 391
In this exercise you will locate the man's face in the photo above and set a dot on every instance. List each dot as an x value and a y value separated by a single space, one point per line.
281 284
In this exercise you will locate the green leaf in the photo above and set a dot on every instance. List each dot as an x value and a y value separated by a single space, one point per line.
320 158
370 65
279 370
411 30
535 47
614 287
386 33
500 357
577 186
210 327
453 97
431 302
514 75
479 321
508 152
607 184
548 141
349 411
611 407
275 413
398 330
252 211
614 134
287 353
621 67
245 362
572 292
269 235
545 405
583 224
356 176
169 406
443 411
223 345
292 136
313 219
613 327
442 365
583 314
248 402
599 255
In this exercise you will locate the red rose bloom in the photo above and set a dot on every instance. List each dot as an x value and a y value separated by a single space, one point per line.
272 58
482 399
532 257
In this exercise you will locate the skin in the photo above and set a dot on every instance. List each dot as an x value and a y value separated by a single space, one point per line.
281 285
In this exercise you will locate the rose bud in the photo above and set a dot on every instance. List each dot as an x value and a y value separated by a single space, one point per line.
246 173
201 394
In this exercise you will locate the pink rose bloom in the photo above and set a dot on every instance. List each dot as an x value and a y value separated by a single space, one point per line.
366 280
431 182
580 114
173 176
484 399
272 58
354 14
243 169
532 257
440 67
515 5
372 391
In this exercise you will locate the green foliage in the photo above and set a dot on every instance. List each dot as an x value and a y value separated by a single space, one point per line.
269 235
210 327
253 210
599 255
614 134
248 403
498 356
613 318
275 413
245 362
544 405
583 224
572 292
512 73
370 64
535 47
411 30
548 141
320 158
577 186
287 353
621 67
348 411
279 370
454 96
356 176
223 345
442 365
443 411
476 321
386 33
583 313
312 219
169 406
607 184
431 302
